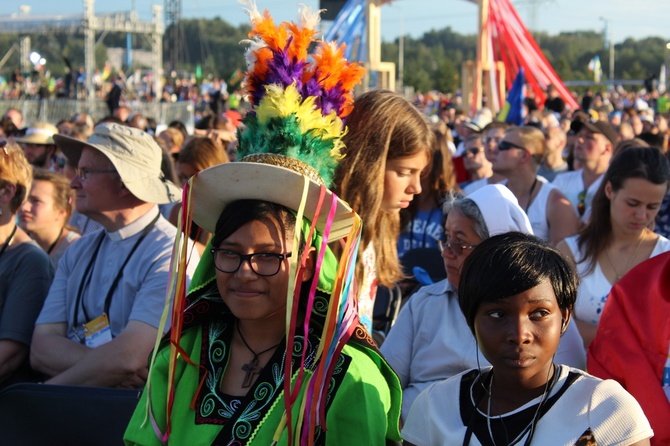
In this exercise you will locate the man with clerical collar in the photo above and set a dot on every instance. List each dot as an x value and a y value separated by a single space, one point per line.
101 316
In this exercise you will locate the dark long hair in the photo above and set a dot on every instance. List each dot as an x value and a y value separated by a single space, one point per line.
647 163
440 177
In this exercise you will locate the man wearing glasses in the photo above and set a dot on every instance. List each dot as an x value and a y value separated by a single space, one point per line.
100 318
593 151
518 157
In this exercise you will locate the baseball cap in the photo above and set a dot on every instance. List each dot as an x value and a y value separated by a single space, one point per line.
595 126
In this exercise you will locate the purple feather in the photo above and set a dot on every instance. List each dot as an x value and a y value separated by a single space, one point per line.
311 88
283 71
332 99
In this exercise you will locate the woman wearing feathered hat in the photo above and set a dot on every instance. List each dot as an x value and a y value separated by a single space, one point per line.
267 347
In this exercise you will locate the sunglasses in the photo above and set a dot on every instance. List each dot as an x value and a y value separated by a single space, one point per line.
473 151
506 145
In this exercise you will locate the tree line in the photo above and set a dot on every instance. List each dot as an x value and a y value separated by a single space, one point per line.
432 61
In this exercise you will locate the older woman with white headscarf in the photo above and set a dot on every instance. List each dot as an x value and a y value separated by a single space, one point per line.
431 340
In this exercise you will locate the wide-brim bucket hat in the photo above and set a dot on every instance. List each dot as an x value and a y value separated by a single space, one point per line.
135 155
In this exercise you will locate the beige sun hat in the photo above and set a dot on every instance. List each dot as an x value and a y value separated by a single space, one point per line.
135 155
40 133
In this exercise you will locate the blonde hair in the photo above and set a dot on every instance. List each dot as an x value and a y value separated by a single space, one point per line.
382 126
15 169
202 152
533 141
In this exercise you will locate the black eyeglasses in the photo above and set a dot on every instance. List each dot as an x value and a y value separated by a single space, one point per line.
262 263
83 172
506 145
473 151
455 248
581 203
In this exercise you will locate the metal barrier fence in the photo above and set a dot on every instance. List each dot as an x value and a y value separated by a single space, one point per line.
55 110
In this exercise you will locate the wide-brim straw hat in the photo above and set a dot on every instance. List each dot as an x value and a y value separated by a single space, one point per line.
41 133
273 178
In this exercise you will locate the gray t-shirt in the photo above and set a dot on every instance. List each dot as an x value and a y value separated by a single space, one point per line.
25 276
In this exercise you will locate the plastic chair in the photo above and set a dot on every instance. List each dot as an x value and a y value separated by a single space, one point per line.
44 414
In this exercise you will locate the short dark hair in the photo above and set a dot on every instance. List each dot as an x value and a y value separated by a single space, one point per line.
511 263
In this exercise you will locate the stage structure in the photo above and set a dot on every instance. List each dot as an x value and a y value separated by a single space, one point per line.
358 25
89 24
504 45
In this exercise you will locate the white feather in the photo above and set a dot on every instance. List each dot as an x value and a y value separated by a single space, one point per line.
307 18
251 10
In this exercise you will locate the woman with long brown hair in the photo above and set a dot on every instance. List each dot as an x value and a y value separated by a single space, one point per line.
422 223
617 236
388 146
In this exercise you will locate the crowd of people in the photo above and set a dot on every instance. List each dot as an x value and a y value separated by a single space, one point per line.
528 262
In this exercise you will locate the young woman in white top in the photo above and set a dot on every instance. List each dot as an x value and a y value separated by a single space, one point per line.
518 315
618 236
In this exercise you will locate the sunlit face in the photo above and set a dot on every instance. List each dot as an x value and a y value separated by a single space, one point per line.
458 229
506 161
39 211
402 180
493 137
519 334
99 192
249 295
635 205
589 146
474 158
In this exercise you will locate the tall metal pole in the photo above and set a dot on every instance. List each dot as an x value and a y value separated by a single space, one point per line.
89 49
482 54
401 55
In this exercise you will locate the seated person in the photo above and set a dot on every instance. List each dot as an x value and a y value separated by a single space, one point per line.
45 213
420 346
25 270
100 319
518 315
267 347
632 342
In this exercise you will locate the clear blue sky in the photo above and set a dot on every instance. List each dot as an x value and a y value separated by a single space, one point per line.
414 17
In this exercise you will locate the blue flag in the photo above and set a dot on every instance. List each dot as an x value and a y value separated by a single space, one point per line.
512 111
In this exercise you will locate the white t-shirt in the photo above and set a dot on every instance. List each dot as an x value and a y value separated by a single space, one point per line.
612 415
572 184
431 341
594 286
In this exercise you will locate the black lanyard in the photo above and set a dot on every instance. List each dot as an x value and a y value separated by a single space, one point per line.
9 241
88 273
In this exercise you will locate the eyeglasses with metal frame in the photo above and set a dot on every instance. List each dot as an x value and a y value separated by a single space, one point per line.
456 248
83 172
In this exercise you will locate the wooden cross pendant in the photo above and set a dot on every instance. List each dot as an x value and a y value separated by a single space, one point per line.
252 369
